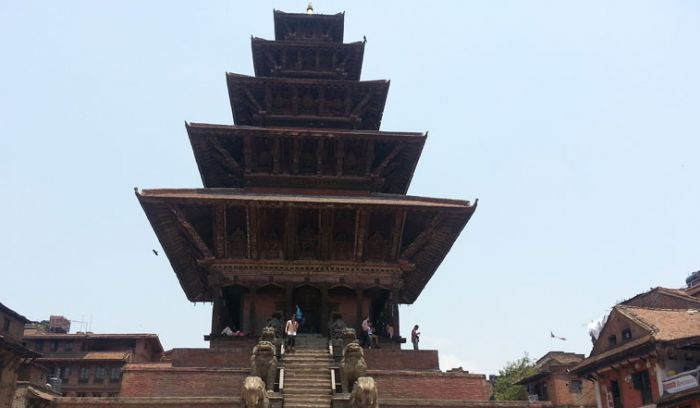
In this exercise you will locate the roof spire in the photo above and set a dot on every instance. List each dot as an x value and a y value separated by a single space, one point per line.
309 9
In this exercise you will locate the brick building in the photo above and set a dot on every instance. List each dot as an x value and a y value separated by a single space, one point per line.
693 282
13 355
89 364
553 382
645 355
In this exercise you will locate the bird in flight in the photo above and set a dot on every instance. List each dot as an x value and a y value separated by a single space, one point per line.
155 252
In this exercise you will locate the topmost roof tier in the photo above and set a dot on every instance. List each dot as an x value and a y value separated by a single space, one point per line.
309 27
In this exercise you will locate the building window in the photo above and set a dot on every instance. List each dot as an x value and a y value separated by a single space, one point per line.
84 375
112 395
6 325
616 396
68 346
641 383
626 334
39 345
97 394
65 375
54 345
612 340
115 375
576 386
100 375
81 394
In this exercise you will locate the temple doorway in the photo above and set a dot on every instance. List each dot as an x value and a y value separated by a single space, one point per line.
308 298
232 313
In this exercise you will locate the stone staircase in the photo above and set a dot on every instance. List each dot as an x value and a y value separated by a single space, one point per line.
307 378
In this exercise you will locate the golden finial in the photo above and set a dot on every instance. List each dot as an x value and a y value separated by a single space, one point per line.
309 9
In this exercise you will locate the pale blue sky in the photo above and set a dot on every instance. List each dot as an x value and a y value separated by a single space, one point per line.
576 124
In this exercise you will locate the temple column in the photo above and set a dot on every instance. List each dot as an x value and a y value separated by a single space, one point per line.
395 311
218 315
324 309
253 300
290 301
358 296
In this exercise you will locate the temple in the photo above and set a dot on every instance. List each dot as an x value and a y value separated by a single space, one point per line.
304 200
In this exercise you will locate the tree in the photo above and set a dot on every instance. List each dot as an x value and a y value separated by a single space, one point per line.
504 388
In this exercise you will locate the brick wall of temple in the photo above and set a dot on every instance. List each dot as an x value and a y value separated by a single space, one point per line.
147 402
431 385
386 359
211 358
162 380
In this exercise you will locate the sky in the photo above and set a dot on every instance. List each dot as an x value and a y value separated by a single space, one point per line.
575 123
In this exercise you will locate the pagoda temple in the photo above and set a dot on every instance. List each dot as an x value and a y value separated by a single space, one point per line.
304 200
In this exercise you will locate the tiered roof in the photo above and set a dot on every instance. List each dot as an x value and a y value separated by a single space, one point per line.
304 186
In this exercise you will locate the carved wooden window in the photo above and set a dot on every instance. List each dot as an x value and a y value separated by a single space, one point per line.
236 233
353 160
308 234
272 233
263 155
379 235
343 235
308 161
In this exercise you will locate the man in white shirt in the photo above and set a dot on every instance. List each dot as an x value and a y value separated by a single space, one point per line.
290 330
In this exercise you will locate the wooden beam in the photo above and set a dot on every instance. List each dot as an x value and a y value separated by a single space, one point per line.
325 223
296 155
252 231
361 224
396 233
248 153
423 237
339 157
291 234
321 102
191 233
361 106
219 229
276 155
320 150
224 156
369 157
391 156
252 99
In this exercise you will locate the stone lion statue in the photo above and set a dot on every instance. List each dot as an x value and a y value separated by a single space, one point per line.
352 366
264 363
348 336
364 394
253 394
269 333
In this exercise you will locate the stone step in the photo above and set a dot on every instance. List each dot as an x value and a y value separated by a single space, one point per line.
308 391
293 357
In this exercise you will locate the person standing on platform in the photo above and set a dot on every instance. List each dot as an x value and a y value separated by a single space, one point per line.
291 330
415 337
364 336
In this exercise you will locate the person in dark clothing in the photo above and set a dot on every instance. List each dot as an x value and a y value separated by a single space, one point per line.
415 337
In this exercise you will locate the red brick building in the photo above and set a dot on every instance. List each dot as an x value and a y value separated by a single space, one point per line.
13 355
553 382
646 356
89 364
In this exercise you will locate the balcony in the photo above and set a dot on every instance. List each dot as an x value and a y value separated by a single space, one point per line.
682 382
